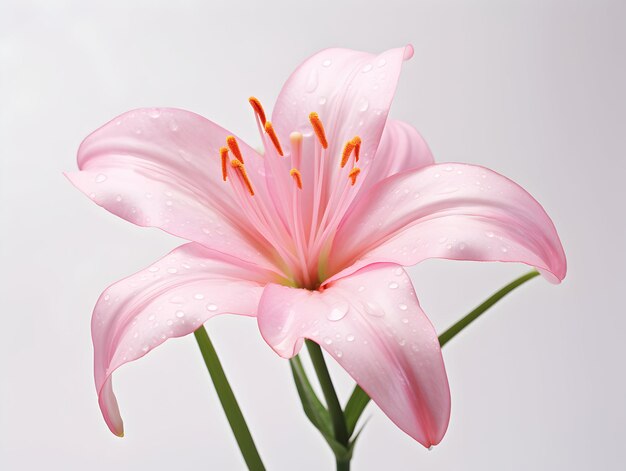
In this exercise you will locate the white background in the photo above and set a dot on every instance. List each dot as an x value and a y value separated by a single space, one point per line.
532 89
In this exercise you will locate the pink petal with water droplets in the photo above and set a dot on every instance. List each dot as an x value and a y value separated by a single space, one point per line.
162 168
372 325
452 211
171 298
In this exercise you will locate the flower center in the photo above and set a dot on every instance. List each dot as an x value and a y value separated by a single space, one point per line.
305 200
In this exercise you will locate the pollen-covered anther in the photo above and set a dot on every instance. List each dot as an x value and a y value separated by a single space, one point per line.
318 127
269 129
244 175
224 157
297 177
356 141
258 109
353 174
347 152
234 148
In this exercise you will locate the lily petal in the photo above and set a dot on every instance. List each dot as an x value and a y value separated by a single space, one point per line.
452 211
401 148
372 324
169 299
162 168
350 90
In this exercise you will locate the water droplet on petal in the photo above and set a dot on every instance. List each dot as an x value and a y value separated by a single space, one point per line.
339 353
373 309
154 113
403 307
338 311
322 100
393 285
363 105
405 320
350 338
180 314
312 81
327 63
100 178
172 270
328 340
198 296
211 307
489 234
398 271
153 269
367 68
381 63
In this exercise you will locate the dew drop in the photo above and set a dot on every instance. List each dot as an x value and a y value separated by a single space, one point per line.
405 320
339 353
322 100
145 348
398 271
327 63
118 198
178 300
338 311
100 178
367 68
151 317
180 314
489 234
373 309
153 269
154 113
393 285
403 307
328 340
211 307
350 338
504 250
312 81
172 270
363 105
169 203
381 63
198 296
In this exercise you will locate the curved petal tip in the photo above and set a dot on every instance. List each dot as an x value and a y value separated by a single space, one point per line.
408 52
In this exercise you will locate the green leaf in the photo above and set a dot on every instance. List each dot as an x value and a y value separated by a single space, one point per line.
313 407
355 407
229 402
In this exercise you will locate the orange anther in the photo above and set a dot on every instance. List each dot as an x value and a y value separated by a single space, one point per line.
347 151
258 109
234 148
353 174
244 175
269 129
295 173
353 144
357 147
318 127
224 156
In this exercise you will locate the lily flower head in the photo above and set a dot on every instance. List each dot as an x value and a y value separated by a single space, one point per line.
309 237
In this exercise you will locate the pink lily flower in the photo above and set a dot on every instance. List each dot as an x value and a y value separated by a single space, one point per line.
310 237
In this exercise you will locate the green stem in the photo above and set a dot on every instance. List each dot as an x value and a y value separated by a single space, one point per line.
332 401
475 314
229 402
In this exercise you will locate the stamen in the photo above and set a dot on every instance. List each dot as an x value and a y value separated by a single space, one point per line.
244 175
353 174
234 148
224 156
347 150
295 173
258 109
318 127
357 147
295 138
269 129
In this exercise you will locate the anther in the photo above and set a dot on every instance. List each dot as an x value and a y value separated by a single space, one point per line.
357 147
244 175
269 129
258 109
353 174
295 173
347 151
224 156
318 127
234 148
